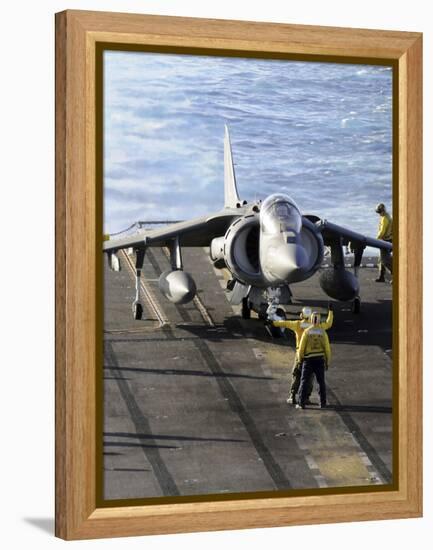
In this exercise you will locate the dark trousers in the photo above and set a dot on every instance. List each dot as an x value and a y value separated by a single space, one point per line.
385 261
296 380
310 366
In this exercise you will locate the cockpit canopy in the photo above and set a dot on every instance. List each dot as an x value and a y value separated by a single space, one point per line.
280 214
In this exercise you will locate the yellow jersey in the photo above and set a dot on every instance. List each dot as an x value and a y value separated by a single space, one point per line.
314 343
300 325
385 227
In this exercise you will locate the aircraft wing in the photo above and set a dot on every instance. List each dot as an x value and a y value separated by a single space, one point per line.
196 232
332 232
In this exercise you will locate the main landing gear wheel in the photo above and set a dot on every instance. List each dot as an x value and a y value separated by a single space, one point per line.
356 305
246 310
137 311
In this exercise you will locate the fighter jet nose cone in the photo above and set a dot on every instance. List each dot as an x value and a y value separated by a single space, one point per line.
182 288
294 258
289 263
300 258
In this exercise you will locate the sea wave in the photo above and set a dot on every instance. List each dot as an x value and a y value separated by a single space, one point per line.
320 131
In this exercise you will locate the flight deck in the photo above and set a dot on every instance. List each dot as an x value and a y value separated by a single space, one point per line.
195 396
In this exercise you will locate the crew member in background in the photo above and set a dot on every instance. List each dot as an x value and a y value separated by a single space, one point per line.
314 354
384 234
298 326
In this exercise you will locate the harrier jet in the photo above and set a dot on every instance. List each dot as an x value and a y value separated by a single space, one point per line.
265 245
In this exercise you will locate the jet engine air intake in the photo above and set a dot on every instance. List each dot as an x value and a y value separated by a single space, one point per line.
312 241
217 252
280 248
240 250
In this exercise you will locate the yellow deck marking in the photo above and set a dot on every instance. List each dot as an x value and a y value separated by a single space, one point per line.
333 455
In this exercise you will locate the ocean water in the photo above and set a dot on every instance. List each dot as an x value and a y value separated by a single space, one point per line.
321 132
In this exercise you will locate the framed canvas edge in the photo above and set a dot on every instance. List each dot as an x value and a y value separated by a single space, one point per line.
77 227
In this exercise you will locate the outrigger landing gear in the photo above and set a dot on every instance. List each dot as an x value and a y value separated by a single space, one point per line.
137 306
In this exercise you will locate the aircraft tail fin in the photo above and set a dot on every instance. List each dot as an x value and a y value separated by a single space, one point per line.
231 196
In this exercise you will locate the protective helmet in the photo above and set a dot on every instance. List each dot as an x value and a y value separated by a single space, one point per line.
315 318
306 312
380 208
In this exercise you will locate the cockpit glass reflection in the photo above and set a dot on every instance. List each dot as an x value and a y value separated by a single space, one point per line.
279 214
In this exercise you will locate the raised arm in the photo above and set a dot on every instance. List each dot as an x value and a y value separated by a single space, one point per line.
326 325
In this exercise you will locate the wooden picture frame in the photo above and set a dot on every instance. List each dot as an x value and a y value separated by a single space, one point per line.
79 34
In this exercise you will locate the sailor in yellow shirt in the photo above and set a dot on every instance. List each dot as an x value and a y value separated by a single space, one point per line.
314 353
298 326
384 234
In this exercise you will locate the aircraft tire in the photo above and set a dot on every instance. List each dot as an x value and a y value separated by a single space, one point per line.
356 305
246 310
138 312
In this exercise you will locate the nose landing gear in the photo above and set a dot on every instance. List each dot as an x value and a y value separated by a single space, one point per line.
275 313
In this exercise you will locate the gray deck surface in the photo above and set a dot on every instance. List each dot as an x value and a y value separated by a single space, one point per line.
195 397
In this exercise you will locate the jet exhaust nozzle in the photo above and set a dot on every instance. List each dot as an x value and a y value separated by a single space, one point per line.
177 286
